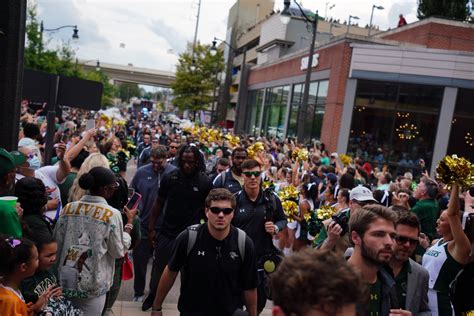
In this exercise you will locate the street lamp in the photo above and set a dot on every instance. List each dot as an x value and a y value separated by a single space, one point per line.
351 17
193 65
378 7
330 8
285 15
304 104
240 101
75 34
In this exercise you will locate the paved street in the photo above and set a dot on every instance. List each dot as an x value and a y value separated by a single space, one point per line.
125 306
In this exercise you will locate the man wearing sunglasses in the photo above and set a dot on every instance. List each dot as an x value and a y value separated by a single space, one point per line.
260 215
411 278
217 264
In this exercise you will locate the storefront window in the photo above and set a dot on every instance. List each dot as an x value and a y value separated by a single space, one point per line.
395 124
252 123
461 140
315 112
275 111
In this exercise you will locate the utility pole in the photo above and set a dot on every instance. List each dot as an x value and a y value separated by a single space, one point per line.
196 29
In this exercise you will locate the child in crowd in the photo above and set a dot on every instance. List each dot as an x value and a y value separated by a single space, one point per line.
42 290
19 261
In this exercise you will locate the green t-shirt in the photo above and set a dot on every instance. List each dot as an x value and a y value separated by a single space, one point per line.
401 284
325 161
35 286
427 212
374 305
66 186
9 221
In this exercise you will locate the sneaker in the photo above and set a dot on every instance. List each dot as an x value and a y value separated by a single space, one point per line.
148 303
138 298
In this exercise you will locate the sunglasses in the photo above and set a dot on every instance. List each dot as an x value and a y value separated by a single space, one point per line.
174 147
217 210
401 240
249 174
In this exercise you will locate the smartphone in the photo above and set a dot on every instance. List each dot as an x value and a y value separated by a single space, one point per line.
133 201
90 124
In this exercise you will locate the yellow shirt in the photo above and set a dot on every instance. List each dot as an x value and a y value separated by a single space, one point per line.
12 304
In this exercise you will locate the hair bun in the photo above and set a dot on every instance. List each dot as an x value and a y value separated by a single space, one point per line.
86 181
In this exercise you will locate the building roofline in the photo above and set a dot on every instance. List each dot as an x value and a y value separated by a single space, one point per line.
350 38
418 23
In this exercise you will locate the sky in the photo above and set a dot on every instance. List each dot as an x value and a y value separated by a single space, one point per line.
152 33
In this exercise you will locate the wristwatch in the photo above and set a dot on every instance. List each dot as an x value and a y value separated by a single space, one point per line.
276 229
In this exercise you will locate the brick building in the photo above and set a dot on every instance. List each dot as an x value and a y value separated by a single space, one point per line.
396 97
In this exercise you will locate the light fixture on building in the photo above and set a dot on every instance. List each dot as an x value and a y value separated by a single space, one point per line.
469 140
407 131
378 7
403 115
285 15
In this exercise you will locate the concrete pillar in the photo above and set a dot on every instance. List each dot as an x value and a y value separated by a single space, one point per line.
346 120
444 127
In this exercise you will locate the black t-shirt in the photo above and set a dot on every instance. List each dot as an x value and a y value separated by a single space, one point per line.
213 274
183 197
251 217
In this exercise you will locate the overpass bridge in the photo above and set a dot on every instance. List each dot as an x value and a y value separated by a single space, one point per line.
132 74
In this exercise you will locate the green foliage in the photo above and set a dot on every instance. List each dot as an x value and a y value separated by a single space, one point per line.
192 90
128 90
59 61
455 9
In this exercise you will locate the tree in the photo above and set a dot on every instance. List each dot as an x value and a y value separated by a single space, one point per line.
192 89
60 61
455 9
128 90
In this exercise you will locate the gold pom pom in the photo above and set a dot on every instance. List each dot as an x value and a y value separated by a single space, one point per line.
326 212
254 149
345 159
454 169
290 208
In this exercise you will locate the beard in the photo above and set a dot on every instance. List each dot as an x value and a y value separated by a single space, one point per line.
371 256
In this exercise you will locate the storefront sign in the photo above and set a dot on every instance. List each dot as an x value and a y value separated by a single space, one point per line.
304 62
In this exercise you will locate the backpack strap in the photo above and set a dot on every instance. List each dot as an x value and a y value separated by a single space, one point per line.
223 176
192 236
241 242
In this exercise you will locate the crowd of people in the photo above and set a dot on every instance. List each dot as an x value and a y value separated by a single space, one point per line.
243 219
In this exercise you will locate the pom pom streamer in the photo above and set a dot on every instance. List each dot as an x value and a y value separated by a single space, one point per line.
454 169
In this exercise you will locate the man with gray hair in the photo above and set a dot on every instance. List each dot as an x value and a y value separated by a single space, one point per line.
427 208
147 182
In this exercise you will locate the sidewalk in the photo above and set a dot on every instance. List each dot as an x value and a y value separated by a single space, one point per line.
124 308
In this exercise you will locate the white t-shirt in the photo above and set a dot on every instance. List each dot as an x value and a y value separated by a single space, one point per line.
48 174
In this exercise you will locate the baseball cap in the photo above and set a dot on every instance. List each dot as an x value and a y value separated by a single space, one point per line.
332 178
18 157
7 163
361 193
26 142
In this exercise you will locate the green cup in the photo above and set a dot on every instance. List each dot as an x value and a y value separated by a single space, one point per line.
9 200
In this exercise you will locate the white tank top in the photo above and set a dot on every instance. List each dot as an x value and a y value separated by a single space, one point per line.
434 259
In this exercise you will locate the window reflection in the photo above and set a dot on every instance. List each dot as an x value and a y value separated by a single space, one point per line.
461 139
395 123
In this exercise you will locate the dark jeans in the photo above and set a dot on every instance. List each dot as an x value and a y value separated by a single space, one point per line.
141 255
261 292
114 290
162 255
